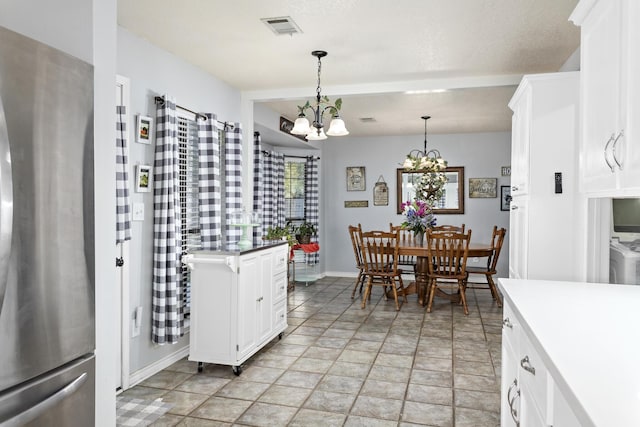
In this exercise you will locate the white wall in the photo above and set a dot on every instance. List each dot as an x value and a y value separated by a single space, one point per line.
153 71
481 154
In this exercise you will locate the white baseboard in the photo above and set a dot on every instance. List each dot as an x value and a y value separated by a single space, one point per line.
157 366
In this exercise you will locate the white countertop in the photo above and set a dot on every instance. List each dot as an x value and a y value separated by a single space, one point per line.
590 340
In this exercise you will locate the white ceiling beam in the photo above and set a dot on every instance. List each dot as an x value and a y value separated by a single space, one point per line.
386 87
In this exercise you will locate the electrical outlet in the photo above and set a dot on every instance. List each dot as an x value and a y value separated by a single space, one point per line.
137 321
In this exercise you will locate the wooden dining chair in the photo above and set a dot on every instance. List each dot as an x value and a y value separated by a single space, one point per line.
380 255
406 263
356 242
447 253
490 270
448 228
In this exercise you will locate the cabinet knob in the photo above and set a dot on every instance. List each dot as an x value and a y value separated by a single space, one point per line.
526 365
259 299
506 322
514 188
514 207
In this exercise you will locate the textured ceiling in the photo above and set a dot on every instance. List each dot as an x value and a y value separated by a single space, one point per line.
378 50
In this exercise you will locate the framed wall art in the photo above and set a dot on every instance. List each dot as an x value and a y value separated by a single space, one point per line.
143 178
505 197
355 178
144 129
480 188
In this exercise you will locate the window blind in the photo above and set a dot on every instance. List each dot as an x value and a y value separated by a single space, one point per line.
188 189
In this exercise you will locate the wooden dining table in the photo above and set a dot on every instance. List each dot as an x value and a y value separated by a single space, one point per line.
419 286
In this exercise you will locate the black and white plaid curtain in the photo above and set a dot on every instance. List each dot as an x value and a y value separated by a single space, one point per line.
123 208
166 319
233 178
312 204
268 185
258 193
209 194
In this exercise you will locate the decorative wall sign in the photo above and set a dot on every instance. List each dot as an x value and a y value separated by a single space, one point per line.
505 197
506 170
483 188
380 193
355 178
286 125
356 204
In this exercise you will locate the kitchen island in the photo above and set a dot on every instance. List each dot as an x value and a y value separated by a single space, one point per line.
570 354
238 302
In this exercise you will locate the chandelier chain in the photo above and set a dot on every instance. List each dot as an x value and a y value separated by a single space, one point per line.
318 89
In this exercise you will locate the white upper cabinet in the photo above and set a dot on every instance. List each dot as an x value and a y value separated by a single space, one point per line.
610 95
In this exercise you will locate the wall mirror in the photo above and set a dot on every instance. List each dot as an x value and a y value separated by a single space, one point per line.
452 202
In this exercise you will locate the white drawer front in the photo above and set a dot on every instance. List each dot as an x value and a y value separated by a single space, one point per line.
279 286
280 313
533 375
280 259
510 328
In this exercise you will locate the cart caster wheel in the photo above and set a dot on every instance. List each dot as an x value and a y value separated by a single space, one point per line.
280 335
200 367
237 370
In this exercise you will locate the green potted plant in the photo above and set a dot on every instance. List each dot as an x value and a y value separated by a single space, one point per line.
280 233
304 232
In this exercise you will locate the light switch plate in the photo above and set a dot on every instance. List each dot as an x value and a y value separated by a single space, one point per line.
138 211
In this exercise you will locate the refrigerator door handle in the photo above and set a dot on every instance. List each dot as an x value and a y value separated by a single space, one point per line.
40 408
6 204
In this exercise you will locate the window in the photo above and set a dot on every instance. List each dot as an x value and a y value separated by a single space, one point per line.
294 170
188 189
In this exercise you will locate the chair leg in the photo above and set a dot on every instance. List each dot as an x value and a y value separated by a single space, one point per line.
494 290
463 296
395 295
404 294
367 293
359 281
431 290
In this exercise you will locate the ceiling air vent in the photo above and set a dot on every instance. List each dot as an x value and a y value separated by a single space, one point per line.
367 119
282 25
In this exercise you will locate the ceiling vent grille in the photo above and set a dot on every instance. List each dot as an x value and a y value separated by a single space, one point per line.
368 119
282 25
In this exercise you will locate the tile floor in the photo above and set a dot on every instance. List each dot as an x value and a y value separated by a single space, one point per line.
339 365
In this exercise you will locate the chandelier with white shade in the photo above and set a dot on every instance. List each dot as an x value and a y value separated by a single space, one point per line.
315 130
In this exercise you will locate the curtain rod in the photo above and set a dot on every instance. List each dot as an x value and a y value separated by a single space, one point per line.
302 157
160 100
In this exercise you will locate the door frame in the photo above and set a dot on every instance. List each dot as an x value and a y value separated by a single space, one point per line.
123 89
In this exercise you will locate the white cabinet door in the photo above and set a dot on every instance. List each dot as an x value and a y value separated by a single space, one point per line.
600 67
520 139
248 303
264 307
518 242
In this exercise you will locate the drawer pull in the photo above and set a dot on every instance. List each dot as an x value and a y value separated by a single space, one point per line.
526 365
506 322
512 401
259 299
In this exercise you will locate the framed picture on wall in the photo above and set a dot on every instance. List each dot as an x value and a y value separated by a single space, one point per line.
355 178
144 129
505 197
143 178
483 188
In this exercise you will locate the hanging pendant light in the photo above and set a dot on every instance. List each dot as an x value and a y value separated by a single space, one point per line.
315 130
430 186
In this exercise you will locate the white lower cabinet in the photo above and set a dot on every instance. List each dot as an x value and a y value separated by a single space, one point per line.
529 395
238 303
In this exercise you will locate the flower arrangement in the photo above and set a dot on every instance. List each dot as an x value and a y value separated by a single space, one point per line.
419 216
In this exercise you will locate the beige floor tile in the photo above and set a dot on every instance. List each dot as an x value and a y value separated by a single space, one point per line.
307 364
429 414
246 390
330 401
267 415
311 417
340 384
481 400
375 407
474 418
430 394
299 379
203 384
384 389
165 379
285 395
434 378
221 409
183 402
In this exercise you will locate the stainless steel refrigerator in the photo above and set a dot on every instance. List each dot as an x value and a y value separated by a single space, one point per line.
47 334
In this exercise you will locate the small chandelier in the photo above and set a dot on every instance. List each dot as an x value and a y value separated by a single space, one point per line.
315 132
424 161
430 186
